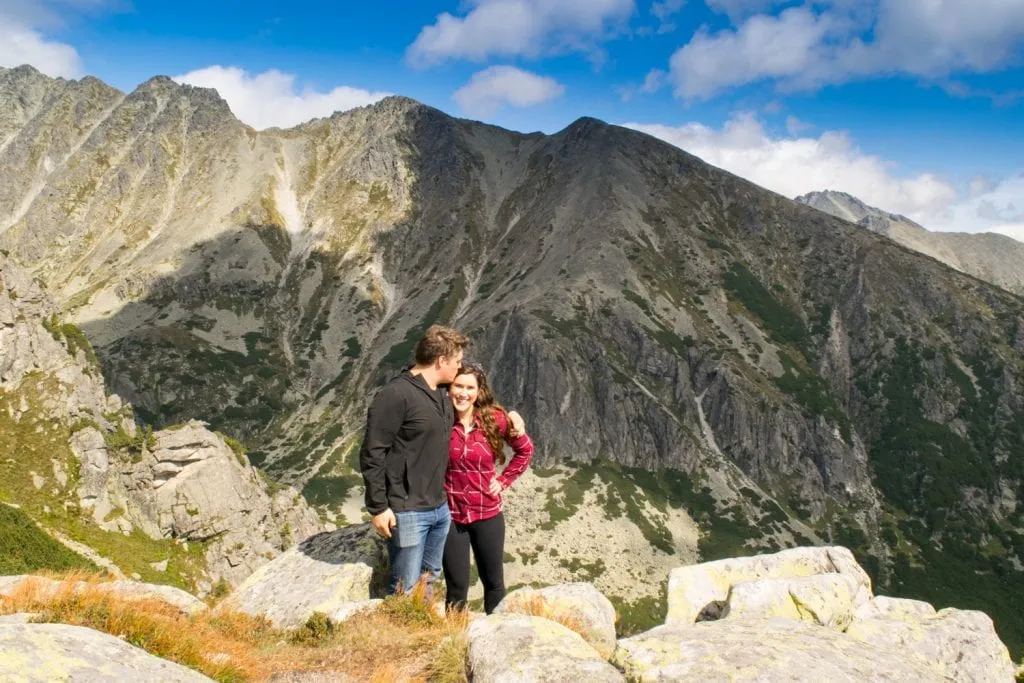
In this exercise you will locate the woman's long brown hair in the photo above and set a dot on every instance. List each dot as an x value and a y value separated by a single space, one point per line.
485 406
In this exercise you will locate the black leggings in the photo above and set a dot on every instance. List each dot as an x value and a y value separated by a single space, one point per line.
487 538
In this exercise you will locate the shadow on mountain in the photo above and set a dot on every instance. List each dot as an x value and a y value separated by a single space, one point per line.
252 325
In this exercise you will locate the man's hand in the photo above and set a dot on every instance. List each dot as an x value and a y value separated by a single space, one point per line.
518 427
496 488
384 523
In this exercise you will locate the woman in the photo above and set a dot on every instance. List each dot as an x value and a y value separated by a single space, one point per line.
474 487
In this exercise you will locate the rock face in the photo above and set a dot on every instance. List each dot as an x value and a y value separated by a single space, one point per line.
580 602
514 647
57 652
989 256
772 650
766 367
184 483
806 614
765 583
193 486
960 644
333 573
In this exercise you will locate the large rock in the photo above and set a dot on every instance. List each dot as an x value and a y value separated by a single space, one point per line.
580 602
507 648
701 590
192 486
823 599
57 652
959 644
325 573
770 650
45 588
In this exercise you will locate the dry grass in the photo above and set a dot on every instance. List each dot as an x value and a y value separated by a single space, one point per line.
535 605
405 639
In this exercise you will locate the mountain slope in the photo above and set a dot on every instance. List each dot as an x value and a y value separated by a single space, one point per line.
683 339
989 256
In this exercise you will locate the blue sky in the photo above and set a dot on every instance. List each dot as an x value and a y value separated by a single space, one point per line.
916 106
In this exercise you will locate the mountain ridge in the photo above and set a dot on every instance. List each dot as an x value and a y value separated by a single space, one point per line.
678 337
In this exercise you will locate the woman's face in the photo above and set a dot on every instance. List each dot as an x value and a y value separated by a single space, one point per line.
463 391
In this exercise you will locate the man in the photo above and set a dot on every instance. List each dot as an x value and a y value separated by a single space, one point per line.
405 454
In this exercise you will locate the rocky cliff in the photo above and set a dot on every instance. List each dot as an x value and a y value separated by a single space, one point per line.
685 345
988 256
79 464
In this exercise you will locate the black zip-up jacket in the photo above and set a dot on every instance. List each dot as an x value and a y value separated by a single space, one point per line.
405 448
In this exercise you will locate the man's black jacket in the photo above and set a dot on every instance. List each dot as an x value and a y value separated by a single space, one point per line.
405 448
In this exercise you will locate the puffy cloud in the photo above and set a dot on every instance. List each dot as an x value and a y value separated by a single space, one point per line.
763 47
517 28
834 41
270 99
496 86
796 165
987 206
20 44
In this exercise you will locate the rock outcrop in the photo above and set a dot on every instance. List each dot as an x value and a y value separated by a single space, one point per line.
579 602
40 653
184 483
335 573
763 583
514 647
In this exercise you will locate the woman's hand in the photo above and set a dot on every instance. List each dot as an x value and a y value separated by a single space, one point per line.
496 488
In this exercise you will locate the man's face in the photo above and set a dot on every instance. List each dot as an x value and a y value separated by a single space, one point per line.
448 367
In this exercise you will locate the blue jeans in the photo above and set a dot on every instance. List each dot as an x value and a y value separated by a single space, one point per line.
416 546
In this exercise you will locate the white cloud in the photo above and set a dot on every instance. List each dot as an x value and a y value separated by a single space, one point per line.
994 207
496 86
270 99
517 28
834 41
22 45
763 47
796 165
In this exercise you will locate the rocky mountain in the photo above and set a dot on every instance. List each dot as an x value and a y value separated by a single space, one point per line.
711 366
988 256
77 463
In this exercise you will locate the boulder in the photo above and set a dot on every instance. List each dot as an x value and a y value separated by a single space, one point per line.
768 650
325 573
580 602
823 599
122 589
192 486
700 591
507 648
884 607
57 652
958 644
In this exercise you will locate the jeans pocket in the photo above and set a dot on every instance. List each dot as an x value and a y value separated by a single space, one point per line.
406 531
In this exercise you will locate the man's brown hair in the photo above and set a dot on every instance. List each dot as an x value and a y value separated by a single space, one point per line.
439 341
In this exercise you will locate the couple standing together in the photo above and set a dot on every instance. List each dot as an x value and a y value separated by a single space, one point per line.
434 438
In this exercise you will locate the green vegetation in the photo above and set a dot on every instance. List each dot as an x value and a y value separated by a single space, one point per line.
73 339
784 325
811 392
25 548
33 443
400 355
641 614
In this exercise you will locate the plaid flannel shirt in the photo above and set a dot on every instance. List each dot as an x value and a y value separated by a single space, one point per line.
471 466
